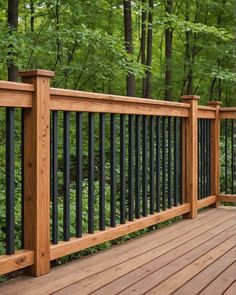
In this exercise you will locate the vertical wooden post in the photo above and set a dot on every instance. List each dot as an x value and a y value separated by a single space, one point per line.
215 153
190 138
37 171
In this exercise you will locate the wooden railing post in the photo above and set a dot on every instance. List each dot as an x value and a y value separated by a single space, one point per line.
215 152
37 171
190 138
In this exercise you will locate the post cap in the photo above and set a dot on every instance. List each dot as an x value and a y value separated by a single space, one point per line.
190 97
214 103
37 72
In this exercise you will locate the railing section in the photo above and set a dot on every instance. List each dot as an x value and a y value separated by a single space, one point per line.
94 167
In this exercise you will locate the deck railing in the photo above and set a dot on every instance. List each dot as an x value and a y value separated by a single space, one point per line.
119 164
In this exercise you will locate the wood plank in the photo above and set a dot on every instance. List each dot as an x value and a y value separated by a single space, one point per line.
157 277
206 112
77 244
37 172
130 278
205 277
206 202
84 267
16 98
227 198
116 106
191 141
215 152
92 283
177 280
70 273
228 113
222 282
20 259
231 290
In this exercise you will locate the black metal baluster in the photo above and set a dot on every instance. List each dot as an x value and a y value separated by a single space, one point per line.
66 169
169 161
131 169
122 169
113 171
176 167
79 173
226 156
205 159
102 172
208 157
163 163
91 173
54 177
158 164
144 164
137 167
151 161
22 177
199 159
10 182
202 157
181 161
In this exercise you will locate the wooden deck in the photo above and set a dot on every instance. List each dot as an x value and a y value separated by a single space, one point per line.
188 257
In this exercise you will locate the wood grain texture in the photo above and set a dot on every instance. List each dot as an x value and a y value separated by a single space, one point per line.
77 244
20 259
205 277
191 160
70 100
227 198
206 112
165 251
215 152
37 173
206 202
228 113
174 282
16 94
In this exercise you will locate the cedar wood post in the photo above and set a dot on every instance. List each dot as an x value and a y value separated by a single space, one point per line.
215 153
37 171
190 162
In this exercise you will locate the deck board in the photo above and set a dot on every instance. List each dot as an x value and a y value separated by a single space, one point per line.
173 259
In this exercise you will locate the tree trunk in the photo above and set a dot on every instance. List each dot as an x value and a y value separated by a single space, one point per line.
130 79
143 42
168 54
32 15
12 20
149 50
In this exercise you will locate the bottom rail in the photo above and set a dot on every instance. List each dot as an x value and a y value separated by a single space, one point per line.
89 240
19 260
206 202
227 198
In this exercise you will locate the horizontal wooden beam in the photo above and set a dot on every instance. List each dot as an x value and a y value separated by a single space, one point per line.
20 259
206 202
89 240
16 94
228 113
227 198
205 112
70 100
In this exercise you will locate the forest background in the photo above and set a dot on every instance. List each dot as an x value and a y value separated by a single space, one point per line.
147 48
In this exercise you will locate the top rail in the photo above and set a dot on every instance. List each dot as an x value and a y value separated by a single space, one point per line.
228 113
67 100
206 112
14 94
